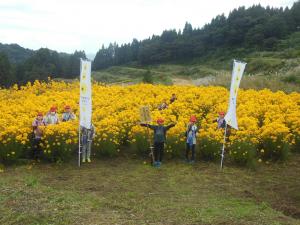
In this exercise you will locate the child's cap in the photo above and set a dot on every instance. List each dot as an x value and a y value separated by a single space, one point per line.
193 119
67 107
221 113
53 109
40 114
160 121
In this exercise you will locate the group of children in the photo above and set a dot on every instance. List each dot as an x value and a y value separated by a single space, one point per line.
40 121
88 134
191 134
52 118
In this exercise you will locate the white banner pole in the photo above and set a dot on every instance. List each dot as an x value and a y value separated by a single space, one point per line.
79 148
223 148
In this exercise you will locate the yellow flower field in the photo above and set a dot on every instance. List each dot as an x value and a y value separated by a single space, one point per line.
269 122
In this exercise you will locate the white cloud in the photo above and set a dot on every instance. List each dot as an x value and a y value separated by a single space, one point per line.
67 25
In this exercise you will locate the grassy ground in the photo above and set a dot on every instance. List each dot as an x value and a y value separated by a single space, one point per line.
127 191
262 71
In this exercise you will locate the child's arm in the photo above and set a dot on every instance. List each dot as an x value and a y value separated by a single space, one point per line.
148 125
170 126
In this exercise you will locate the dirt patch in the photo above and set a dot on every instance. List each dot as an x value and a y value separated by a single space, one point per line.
197 82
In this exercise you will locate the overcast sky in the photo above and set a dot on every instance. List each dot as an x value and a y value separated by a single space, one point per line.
67 25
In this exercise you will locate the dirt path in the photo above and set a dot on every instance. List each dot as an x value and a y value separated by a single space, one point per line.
197 82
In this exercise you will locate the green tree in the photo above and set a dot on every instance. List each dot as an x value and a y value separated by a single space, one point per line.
147 77
6 75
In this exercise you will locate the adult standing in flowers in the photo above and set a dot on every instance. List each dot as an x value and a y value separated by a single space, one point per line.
191 133
159 139
52 117
37 126
86 138
68 114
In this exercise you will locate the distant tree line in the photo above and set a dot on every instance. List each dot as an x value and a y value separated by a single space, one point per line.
255 28
42 64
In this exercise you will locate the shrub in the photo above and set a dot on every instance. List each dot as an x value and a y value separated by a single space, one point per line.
243 153
210 150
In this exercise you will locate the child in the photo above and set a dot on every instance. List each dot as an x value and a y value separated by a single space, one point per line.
163 105
221 120
222 124
37 136
51 117
191 139
68 115
159 139
173 98
86 137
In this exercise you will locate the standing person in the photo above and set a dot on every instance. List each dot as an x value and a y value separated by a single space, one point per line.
86 138
37 125
68 114
173 98
221 120
222 125
163 105
159 139
52 117
191 133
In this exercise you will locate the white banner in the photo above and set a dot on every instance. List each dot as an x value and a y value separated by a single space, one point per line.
85 94
237 73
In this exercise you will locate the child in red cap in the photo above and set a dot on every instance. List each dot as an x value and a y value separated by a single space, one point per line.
68 114
221 120
37 136
159 139
191 133
51 117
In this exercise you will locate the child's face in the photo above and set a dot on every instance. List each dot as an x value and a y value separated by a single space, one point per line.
222 116
52 113
68 110
40 117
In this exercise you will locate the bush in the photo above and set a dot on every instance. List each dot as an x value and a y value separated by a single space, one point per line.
11 150
292 78
243 153
296 146
272 149
147 77
57 148
210 150
265 65
141 145
174 147
106 147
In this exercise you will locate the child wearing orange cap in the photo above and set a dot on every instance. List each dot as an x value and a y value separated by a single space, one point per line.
52 117
191 133
221 120
37 136
68 114
159 139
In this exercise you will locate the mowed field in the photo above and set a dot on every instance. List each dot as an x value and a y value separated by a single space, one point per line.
130 191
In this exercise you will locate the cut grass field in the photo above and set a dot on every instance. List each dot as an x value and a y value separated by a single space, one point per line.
127 191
